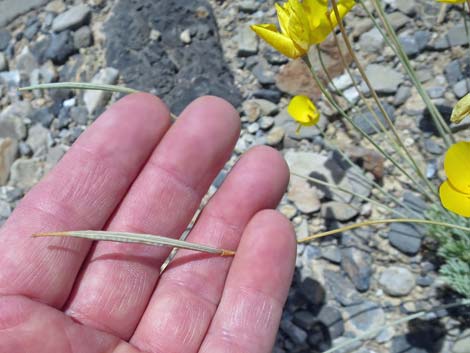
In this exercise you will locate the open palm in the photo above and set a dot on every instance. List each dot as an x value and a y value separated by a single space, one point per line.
134 171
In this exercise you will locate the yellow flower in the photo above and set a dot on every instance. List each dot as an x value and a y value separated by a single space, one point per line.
452 1
303 23
455 191
461 109
302 110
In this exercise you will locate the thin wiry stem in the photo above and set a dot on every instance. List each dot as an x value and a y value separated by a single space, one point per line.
400 146
382 221
366 136
442 127
148 239
339 188
365 179
86 86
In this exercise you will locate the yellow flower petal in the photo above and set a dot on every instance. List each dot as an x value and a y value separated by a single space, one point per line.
302 110
461 109
457 166
453 200
278 41
344 7
452 1
282 17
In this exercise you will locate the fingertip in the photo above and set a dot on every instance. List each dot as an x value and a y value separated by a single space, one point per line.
219 107
274 160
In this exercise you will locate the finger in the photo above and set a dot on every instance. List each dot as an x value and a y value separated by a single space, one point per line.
80 193
118 280
187 295
248 315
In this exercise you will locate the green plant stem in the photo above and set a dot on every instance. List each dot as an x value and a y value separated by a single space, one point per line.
408 318
439 122
383 221
85 86
367 180
339 188
397 142
367 137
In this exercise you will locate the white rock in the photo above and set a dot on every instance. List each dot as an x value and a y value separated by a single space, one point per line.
397 281
8 150
72 18
97 99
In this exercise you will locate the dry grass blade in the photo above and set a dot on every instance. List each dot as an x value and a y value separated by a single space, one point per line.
138 238
80 85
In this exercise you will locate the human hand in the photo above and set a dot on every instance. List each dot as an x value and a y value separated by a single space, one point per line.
132 171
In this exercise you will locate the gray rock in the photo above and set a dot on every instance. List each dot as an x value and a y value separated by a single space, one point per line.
358 266
98 99
248 6
453 72
3 62
42 116
60 48
365 317
341 288
79 115
341 82
312 291
321 167
26 62
5 211
246 41
397 281
73 18
455 36
10 193
25 173
422 39
365 120
331 317
424 281
37 139
331 253
25 149
11 9
82 37
403 343
272 95
5 38
384 79
352 95
177 73
12 120
54 155
32 29
303 196
405 237
461 88
406 6
372 41
304 319
398 20
10 78
433 147
349 348
409 44
339 211
275 136
266 122
436 92
462 344
403 93
264 74
295 333
8 150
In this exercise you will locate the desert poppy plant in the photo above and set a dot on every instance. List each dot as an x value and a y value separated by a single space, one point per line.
302 23
455 191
